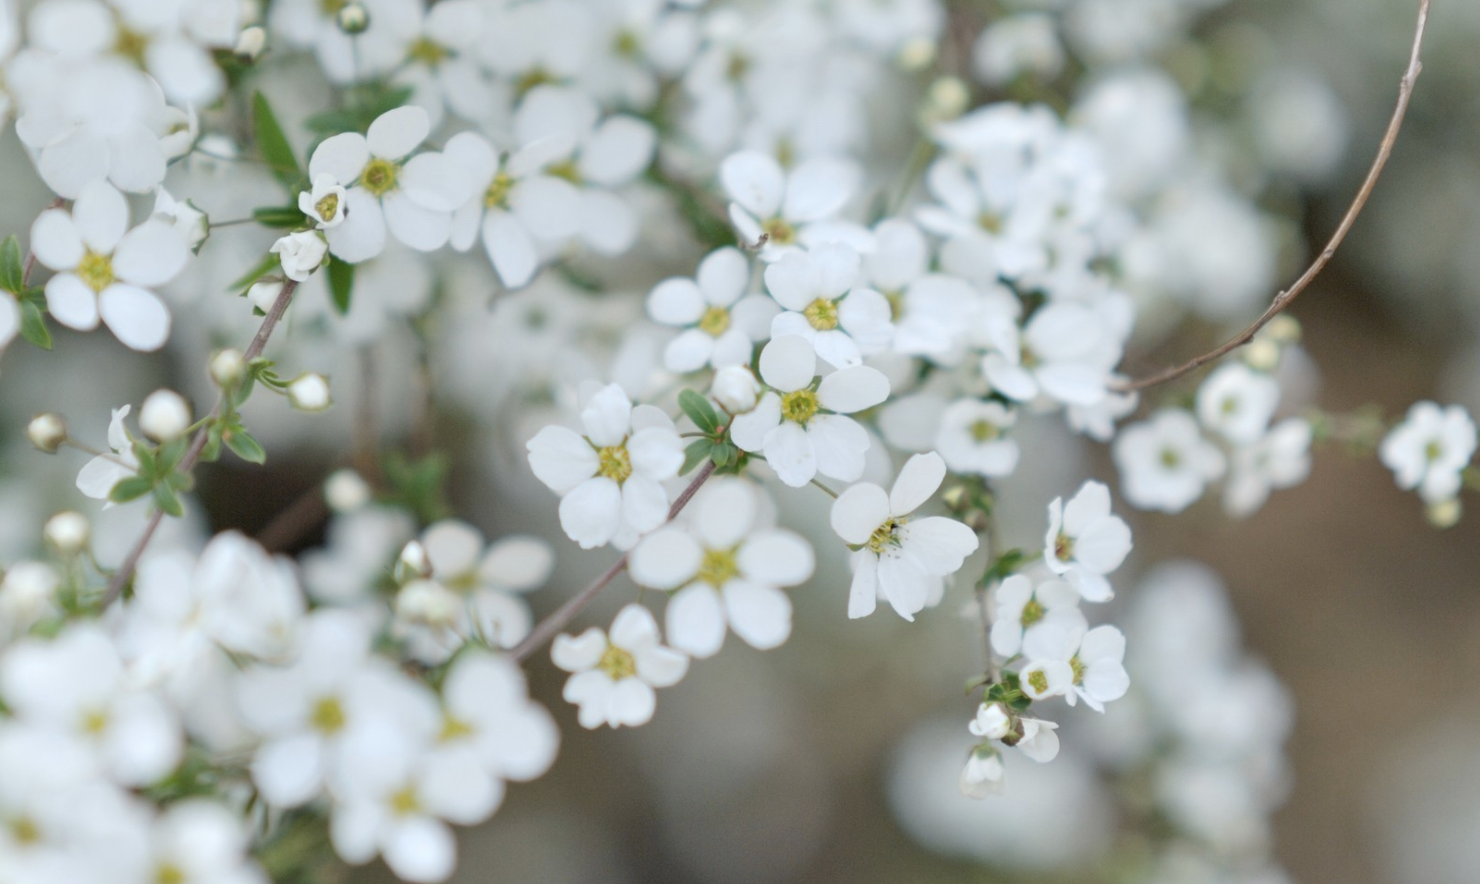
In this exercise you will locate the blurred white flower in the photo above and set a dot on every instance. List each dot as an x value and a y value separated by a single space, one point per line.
613 678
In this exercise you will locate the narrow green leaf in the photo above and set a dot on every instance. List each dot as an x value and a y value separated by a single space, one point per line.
244 446
166 499
33 326
695 454
148 466
697 407
264 267
273 144
132 488
212 452
341 284
721 454
284 217
12 265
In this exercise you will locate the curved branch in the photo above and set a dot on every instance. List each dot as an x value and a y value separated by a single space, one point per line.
1287 297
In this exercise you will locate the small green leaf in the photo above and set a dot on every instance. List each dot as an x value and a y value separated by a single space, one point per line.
12 265
132 488
33 326
273 144
166 499
284 217
697 452
264 267
244 446
341 284
171 453
699 410
721 454
148 465
212 451
1003 567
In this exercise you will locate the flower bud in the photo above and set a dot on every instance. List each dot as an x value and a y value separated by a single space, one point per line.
916 54
263 295
947 98
27 594
310 392
302 252
228 368
735 388
165 416
1262 354
426 601
353 18
251 42
47 431
414 559
345 491
1283 329
68 531
1445 513
983 773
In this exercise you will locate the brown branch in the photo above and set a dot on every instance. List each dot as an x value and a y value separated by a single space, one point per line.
292 523
548 627
1286 298
197 445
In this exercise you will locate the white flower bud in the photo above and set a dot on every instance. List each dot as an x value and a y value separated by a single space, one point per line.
917 54
947 98
263 295
165 416
187 219
992 722
1445 513
228 368
251 42
353 19
735 389
302 252
345 491
325 203
68 531
310 392
426 601
414 559
27 594
983 773
47 431
1262 354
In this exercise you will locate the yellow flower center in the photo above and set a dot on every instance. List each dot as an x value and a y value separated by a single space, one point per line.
131 45
379 177
1063 547
327 207
1033 611
327 716
715 321
625 44
1170 458
989 222
885 535
617 663
738 66
896 304
452 729
497 195
565 169
779 232
823 314
1078 668
719 567
428 52
169 873
799 407
95 271
332 7
24 830
94 721
614 463
984 431
404 802
1432 451
536 77
1039 681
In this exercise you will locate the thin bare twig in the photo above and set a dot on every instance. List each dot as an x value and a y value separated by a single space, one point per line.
1286 298
546 629
197 445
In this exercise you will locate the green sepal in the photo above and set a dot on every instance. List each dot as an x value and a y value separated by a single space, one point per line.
341 284
273 144
171 453
132 488
33 325
244 446
168 501
12 265
697 407
697 452
263 267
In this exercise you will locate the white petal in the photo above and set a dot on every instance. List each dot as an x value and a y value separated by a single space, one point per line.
136 316
415 225
656 453
859 511
71 302
55 240
69 165
1102 643
397 132
666 559
434 181
755 181
777 557
10 320
790 454
837 349
631 703
607 416
853 389
101 216
938 544
608 224
818 188
591 512
362 234
1091 504
696 621
903 584
1104 546
561 458
676 301
634 629
863 594
794 281
577 653
289 771
452 546
918 479
620 149
510 249
549 207
419 848
749 430
690 351
342 157
723 275
725 514
151 254
137 160
761 615
644 503
839 444
837 269
788 364
661 667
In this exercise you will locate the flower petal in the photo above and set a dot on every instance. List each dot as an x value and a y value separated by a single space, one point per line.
56 241
577 653
790 454
755 181
788 363
71 302
919 478
859 511
151 254
818 188
938 544
101 216
776 557
863 594
666 559
592 512
853 389
397 132
136 316
561 458
696 621
759 614
361 236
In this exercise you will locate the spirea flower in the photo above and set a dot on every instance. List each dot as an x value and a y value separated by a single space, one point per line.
721 324
1165 463
610 479
781 205
612 677
1021 605
843 323
1238 402
1085 542
973 438
898 556
98 476
1429 449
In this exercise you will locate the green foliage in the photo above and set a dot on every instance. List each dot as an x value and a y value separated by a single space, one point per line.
367 101
279 217
276 151
33 325
12 266
418 485
267 265
697 407
158 475
341 284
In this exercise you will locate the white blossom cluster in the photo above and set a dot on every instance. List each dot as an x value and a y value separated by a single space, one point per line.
664 259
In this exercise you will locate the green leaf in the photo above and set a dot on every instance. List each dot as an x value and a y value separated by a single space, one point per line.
417 485
697 452
148 465
166 499
244 446
171 453
341 284
212 452
264 267
699 410
273 144
12 265
132 488
284 217
721 454
33 326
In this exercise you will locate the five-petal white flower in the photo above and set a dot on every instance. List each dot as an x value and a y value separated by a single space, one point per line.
613 678
1085 542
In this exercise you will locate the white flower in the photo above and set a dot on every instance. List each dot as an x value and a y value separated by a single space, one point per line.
1279 460
106 270
612 679
1430 449
799 422
198 841
721 324
900 557
413 198
982 775
325 203
735 389
165 415
98 476
1039 741
487 710
610 479
28 594
1165 463
972 438
1238 402
816 287
309 392
1021 605
302 253
186 218
1073 663
1085 542
992 721
780 205
1066 352
729 570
